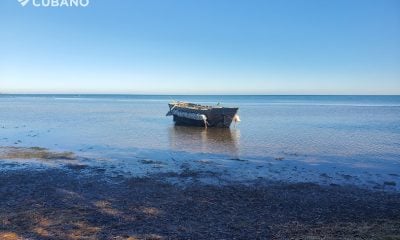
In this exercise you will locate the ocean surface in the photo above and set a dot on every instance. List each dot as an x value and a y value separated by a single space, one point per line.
356 136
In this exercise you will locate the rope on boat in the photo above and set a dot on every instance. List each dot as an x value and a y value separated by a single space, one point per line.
206 124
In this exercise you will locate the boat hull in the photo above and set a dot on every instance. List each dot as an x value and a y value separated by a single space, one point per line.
182 121
221 117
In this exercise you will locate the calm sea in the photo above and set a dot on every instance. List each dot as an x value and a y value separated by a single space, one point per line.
358 130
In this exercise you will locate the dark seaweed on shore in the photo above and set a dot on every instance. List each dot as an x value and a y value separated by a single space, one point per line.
67 204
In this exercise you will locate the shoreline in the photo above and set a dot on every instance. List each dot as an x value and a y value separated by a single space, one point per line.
71 200
210 168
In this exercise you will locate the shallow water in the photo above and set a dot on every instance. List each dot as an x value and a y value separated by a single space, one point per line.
355 134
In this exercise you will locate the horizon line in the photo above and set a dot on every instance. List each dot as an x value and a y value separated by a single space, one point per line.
201 94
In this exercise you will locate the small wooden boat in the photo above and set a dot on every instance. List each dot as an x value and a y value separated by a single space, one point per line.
191 114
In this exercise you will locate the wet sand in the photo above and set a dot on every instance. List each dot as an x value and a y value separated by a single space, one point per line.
76 201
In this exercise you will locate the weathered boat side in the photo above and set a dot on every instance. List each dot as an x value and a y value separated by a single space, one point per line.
198 115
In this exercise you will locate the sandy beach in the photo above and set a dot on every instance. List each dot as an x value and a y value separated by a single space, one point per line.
71 200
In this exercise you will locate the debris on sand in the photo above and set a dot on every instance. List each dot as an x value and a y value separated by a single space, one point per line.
324 175
148 161
238 159
76 167
389 183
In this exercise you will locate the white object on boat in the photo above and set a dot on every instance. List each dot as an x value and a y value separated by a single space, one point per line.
236 118
194 116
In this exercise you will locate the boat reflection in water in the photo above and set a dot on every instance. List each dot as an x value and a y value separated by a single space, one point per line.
202 140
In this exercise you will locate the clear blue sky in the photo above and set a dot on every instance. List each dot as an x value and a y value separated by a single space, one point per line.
202 46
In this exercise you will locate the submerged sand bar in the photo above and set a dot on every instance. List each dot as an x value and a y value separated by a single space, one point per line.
37 153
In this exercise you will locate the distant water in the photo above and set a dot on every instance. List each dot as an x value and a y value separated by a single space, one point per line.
345 130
